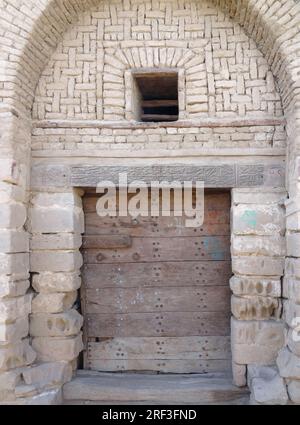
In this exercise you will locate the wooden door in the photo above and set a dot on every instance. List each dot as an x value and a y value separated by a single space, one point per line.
155 293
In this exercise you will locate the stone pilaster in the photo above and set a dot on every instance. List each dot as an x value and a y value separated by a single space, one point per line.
15 299
289 357
258 250
56 224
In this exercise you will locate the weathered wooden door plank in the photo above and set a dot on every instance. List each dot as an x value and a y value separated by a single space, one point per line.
151 226
164 249
162 366
180 273
107 241
201 323
156 299
158 348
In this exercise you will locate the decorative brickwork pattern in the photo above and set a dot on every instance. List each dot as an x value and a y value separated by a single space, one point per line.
225 73
158 138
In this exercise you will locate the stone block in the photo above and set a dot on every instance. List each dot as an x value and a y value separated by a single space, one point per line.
56 200
54 302
75 364
288 364
57 349
12 215
47 398
55 261
294 391
14 308
56 220
48 282
291 289
263 372
59 241
48 374
272 246
292 203
268 391
14 264
239 374
260 286
12 241
293 221
51 397
11 332
9 192
13 286
291 313
7 397
293 339
25 391
255 308
258 266
258 220
64 324
256 342
293 244
15 355
9 171
9 380
292 267
258 196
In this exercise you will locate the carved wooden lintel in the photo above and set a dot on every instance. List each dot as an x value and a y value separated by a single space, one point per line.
214 176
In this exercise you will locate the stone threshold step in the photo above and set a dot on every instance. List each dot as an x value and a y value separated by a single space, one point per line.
132 388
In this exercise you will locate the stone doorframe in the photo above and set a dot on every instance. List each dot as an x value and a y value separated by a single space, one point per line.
257 247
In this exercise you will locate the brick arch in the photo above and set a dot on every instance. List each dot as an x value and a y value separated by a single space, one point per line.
227 63
31 32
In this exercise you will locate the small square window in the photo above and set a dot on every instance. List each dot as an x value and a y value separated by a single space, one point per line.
156 96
